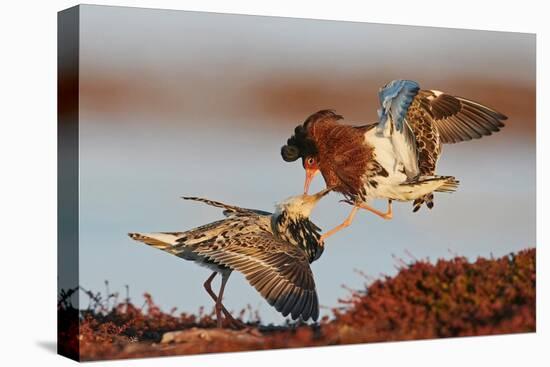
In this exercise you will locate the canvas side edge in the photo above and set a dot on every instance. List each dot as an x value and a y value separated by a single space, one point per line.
68 23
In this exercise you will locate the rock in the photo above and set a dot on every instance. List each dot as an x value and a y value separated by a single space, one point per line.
194 335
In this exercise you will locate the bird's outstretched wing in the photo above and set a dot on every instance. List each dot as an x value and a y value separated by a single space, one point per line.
459 119
395 99
279 271
228 210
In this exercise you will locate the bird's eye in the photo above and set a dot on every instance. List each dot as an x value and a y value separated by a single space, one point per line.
310 161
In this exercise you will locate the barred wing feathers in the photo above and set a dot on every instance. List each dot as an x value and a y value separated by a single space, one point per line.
279 271
459 119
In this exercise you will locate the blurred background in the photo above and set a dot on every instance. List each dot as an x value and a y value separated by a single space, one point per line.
179 103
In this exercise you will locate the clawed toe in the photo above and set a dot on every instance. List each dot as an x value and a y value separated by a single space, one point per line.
235 324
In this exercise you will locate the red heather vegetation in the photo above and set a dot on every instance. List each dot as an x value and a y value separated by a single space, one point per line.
448 299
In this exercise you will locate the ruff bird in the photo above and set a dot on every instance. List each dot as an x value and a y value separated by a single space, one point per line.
394 158
272 250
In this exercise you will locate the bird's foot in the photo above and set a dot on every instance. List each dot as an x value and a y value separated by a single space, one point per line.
234 324
230 321
387 216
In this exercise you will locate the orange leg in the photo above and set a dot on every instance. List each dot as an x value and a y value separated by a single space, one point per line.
347 222
344 224
387 215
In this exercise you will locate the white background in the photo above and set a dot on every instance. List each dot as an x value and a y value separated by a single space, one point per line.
28 182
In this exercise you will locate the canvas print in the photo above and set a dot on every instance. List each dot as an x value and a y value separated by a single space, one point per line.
232 183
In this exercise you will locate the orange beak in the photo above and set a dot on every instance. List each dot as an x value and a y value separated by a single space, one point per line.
310 174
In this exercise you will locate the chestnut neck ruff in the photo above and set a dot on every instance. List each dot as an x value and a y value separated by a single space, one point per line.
343 157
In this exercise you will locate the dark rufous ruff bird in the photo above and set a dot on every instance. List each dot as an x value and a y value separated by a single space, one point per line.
396 157
272 250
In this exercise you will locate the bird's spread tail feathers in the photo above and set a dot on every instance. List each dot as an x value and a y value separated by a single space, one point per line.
448 184
442 184
424 186
161 240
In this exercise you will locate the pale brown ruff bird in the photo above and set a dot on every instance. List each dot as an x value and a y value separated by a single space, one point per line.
395 158
272 250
